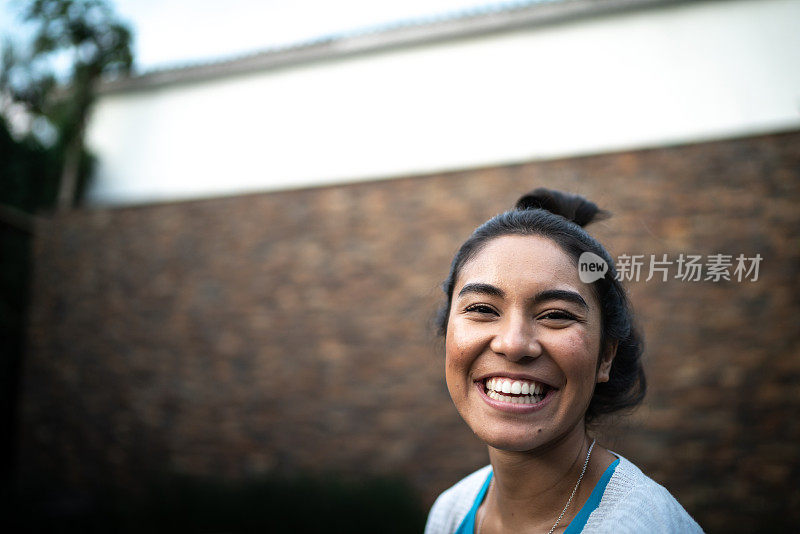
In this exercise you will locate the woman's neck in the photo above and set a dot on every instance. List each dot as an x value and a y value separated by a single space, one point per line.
530 489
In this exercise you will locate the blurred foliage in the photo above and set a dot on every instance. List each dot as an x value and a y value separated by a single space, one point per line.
85 36
275 504
29 170
47 87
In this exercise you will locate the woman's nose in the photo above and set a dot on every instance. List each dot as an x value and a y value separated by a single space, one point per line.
516 339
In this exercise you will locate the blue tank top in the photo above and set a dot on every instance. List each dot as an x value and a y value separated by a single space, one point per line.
575 526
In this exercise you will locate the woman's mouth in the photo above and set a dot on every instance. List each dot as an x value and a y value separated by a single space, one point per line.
515 391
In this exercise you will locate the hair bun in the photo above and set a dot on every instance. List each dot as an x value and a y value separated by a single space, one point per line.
572 207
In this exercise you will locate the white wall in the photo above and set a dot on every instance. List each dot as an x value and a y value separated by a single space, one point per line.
682 74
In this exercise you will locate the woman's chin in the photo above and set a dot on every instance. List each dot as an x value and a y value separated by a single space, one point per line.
511 442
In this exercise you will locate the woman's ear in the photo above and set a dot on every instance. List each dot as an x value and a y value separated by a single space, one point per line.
606 359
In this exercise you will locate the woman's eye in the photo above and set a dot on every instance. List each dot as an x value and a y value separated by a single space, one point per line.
558 316
479 308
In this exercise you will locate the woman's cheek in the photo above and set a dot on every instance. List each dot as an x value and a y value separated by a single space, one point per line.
584 351
456 343
457 364
459 358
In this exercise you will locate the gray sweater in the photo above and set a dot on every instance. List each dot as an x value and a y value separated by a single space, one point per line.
632 503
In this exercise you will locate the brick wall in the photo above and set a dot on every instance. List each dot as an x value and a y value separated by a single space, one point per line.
290 331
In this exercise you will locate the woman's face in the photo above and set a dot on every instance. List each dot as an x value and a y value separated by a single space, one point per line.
522 344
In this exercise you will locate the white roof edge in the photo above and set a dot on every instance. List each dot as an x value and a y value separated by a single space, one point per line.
399 36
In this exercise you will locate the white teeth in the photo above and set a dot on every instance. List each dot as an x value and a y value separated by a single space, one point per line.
523 399
525 392
516 387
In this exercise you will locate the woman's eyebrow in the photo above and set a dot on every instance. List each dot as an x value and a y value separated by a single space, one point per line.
560 294
484 289
542 296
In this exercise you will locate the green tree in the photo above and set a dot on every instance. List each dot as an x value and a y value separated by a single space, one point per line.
96 44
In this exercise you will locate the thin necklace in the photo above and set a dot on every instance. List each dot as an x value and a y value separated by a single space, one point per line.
583 472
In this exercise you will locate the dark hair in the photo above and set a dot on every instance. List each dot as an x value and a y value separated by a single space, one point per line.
560 217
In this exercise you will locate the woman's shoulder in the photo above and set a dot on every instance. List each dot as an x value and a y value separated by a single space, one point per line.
455 503
633 502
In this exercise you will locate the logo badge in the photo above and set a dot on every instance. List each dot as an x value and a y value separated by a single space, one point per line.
591 267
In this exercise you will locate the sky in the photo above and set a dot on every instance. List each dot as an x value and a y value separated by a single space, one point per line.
178 32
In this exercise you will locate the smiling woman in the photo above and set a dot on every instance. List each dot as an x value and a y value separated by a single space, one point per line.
532 355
